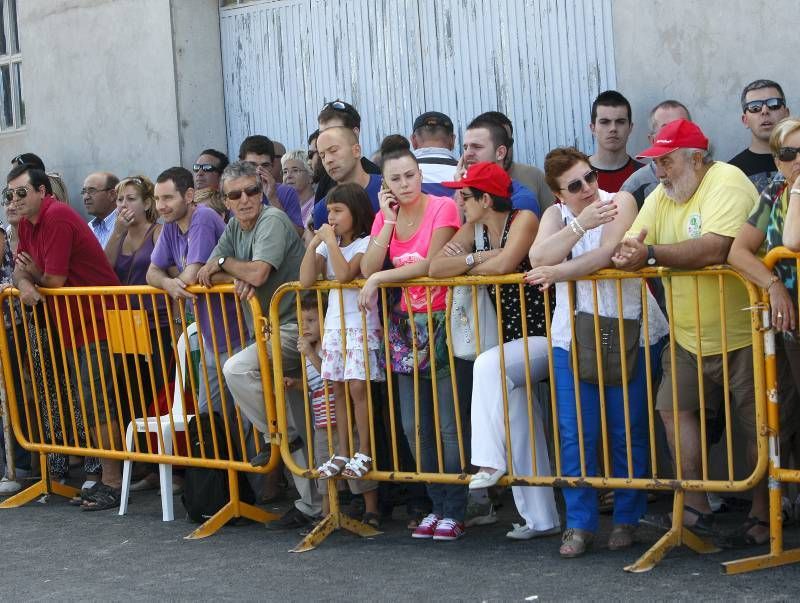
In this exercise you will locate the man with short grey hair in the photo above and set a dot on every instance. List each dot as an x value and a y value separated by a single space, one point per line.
259 251
763 106
100 199
642 182
689 222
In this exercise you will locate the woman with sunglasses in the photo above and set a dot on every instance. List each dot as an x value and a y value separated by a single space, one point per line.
577 237
774 223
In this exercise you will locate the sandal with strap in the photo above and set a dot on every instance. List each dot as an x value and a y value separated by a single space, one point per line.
574 542
358 466
702 528
621 536
105 497
741 538
332 468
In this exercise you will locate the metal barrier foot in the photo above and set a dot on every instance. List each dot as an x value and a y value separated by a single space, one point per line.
749 564
42 487
233 509
676 536
333 521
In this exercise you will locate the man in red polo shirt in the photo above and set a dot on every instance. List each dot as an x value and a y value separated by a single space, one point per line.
57 249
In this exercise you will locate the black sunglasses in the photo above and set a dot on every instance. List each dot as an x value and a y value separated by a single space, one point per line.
575 186
206 167
339 106
8 194
788 153
248 191
773 104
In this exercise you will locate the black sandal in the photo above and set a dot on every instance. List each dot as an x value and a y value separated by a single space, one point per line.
373 520
105 497
703 527
740 537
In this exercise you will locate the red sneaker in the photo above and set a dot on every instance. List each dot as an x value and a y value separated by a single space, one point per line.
426 527
448 529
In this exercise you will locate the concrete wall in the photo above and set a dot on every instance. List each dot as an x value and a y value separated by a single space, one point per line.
107 85
703 54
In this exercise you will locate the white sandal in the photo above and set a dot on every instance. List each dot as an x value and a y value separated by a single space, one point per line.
357 467
331 468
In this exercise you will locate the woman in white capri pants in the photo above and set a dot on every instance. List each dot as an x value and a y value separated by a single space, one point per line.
485 199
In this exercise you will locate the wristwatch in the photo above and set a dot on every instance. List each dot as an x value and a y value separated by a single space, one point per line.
221 261
470 260
651 255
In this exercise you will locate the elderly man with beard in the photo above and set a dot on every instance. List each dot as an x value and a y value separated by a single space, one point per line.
689 221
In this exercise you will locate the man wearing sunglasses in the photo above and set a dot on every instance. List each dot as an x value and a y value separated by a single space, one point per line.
208 168
57 249
259 251
763 106
340 114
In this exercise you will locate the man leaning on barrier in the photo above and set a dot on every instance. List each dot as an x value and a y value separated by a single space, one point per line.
689 222
260 250
57 249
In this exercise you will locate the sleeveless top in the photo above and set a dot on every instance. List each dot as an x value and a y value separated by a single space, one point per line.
132 270
606 294
510 308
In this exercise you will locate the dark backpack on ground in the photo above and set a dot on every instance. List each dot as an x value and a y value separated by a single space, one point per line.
205 491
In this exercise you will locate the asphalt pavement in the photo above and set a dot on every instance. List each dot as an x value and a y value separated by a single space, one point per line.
53 551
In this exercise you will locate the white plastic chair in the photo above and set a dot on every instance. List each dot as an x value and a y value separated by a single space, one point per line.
163 424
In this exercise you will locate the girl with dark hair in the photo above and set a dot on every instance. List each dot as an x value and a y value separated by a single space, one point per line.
336 251
412 227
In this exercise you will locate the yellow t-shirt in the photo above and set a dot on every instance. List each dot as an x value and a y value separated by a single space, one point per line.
720 205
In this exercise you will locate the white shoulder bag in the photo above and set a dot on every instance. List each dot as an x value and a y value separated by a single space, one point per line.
462 318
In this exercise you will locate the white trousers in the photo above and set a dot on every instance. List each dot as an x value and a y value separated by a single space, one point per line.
535 504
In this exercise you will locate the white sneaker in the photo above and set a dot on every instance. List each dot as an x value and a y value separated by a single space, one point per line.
523 532
9 487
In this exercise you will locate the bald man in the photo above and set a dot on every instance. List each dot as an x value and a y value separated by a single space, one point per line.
340 154
100 200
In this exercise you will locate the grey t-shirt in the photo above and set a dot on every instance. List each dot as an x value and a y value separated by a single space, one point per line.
533 178
273 240
641 183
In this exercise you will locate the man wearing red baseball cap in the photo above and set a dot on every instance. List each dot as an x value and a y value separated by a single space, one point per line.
689 221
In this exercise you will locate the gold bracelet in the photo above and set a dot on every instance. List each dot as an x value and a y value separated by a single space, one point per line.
774 279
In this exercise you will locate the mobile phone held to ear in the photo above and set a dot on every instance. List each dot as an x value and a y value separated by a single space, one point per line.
393 204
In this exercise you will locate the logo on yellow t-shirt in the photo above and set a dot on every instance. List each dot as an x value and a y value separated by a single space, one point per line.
694 226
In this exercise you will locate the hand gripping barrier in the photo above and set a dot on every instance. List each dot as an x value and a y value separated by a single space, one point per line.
778 475
615 435
124 374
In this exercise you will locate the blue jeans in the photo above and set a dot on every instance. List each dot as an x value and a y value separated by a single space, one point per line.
448 501
629 505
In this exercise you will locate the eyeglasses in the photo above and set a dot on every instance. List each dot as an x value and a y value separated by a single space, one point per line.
9 193
773 104
467 196
91 191
248 191
788 153
576 186
206 167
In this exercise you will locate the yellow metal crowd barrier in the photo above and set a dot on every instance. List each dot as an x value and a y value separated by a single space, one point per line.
119 373
778 476
727 474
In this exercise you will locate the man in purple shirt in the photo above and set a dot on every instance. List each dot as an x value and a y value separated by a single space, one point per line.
260 150
189 236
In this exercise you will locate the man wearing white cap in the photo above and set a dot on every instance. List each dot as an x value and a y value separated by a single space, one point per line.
689 221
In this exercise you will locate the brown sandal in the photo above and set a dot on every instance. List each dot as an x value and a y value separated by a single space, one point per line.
621 536
574 542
